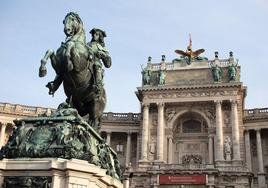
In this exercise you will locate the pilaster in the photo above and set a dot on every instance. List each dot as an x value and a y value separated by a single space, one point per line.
210 149
170 150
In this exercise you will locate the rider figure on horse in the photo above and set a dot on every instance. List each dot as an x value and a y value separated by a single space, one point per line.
97 45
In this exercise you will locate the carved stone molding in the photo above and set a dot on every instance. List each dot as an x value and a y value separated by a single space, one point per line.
191 94
206 112
191 159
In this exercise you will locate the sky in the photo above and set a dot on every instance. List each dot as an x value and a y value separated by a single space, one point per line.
135 30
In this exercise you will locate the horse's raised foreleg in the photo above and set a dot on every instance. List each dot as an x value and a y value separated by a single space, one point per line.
42 68
55 84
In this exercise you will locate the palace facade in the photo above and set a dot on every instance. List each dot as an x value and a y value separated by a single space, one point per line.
193 129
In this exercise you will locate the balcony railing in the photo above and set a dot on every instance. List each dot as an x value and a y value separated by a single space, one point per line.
172 66
121 116
256 112
34 111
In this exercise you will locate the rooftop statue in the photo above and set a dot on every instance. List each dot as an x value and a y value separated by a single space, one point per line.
232 71
146 75
78 66
189 55
216 72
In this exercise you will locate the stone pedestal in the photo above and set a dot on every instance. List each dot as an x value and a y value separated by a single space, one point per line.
57 172
261 180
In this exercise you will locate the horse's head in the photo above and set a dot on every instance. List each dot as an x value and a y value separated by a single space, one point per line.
72 24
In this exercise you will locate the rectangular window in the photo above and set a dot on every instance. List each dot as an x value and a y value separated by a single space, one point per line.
119 148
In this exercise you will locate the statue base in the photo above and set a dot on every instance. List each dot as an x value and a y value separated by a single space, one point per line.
62 134
53 173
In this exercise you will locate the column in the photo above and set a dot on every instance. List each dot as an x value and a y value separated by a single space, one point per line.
235 131
128 154
108 138
1 178
138 149
261 174
2 134
170 150
248 150
210 149
259 150
145 132
160 132
219 135
126 183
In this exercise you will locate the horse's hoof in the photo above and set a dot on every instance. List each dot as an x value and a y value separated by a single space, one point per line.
42 71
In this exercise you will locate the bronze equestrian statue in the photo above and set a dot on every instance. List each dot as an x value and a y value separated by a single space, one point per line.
78 66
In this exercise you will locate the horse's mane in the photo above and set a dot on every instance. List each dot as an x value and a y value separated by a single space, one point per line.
80 33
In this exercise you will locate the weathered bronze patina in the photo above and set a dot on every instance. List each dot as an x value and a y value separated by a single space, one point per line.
64 133
78 66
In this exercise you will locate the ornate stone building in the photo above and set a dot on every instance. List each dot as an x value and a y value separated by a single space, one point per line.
193 130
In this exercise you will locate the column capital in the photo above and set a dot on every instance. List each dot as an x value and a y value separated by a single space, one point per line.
233 101
170 137
3 124
210 136
160 104
258 130
129 132
108 132
145 104
218 102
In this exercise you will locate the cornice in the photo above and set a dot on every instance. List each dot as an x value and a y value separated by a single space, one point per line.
183 87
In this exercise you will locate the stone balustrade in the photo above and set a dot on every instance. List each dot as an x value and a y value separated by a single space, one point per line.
171 66
23 110
255 112
109 116
34 111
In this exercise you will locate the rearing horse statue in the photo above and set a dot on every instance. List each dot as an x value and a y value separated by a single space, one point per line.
74 67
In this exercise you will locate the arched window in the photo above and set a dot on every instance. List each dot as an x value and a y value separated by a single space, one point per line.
191 126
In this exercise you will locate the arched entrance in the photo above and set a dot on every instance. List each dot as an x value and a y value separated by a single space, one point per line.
190 138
